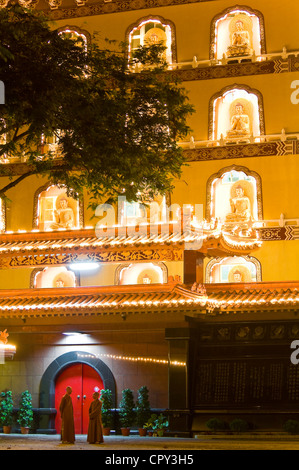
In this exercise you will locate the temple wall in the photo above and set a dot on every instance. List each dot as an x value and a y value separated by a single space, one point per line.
38 350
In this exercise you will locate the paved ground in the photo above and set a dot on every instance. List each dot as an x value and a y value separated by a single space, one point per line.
135 443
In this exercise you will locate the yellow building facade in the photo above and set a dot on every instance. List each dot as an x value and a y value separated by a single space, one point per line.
207 301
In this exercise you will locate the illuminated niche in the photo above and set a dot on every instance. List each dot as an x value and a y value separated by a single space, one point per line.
152 30
234 196
141 273
237 32
235 269
55 210
53 277
80 37
236 114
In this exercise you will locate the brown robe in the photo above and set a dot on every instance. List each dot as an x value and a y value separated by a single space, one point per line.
67 419
95 429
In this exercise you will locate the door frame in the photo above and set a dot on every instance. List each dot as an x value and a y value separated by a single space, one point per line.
47 383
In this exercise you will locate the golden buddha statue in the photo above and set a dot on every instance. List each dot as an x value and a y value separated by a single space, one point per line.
146 279
240 122
240 207
59 282
237 276
240 41
64 216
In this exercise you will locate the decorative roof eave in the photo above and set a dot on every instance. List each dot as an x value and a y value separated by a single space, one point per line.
210 299
92 301
164 242
223 298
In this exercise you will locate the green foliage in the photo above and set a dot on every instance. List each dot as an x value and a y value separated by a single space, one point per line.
6 408
107 405
150 422
126 408
238 425
143 409
215 424
291 426
156 422
25 413
117 130
161 422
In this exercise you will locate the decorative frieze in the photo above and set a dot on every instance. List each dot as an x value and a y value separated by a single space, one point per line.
260 149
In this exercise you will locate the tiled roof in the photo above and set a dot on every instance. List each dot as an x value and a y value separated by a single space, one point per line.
15 244
214 298
236 297
81 300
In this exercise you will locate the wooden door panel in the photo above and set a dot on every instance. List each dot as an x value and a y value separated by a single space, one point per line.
92 382
84 381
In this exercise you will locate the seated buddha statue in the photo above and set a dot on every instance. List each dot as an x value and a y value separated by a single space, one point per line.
240 123
240 42
240 207
237 276
59 282
64 216
146 279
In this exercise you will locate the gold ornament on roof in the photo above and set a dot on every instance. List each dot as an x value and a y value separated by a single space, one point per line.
3 336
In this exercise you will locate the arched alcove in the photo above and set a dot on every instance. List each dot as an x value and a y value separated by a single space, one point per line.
236 112
141 273
53 209
221 194
233 269
152 29
78 35
237 27
53 277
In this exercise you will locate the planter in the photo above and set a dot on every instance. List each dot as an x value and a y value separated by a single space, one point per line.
160 432
106 431
24 430
125 431
142 432
6 429
150 433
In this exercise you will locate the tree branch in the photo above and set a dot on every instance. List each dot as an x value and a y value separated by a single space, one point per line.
15 182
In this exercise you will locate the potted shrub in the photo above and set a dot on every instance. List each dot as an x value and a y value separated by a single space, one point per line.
107 413
143 410
160 424
6 411
215 424
238 425
126 411
25 413
149 425
291 426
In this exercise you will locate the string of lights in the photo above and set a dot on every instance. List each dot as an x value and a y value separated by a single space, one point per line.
133 359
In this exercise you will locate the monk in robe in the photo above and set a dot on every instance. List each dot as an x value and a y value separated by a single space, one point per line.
95 428
67 418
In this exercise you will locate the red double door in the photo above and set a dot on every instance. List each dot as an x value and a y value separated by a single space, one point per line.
84 381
